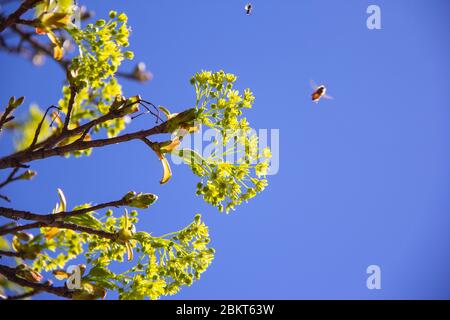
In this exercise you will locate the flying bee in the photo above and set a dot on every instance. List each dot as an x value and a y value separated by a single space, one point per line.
248 8
319 92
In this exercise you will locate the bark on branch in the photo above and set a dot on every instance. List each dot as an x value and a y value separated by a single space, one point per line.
31 155
11 274
52 217
13 17
10 254
60 225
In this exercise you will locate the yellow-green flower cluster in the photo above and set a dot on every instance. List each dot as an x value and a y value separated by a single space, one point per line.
101 46
170 262
161 266
227 183
57 251
220 106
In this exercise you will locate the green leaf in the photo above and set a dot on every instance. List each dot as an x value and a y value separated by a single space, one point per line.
100 272
86 219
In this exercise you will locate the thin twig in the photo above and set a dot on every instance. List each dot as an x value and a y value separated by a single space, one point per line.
149 143
157 116
39 127
24 295
73 93
28 22
37 46
61 225
13 17
6 116
29 226
11 275
5 198
10 254
52 217
8 225
10 178
55 139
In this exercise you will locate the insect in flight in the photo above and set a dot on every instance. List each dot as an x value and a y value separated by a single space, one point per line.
319 92
248 8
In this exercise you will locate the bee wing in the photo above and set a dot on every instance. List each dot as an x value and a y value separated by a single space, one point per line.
325 96
313 84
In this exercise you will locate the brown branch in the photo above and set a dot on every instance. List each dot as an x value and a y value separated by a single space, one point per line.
10 178
149 143
140 76
75 227
23 295
28 22
60 225
39 127
73 93
6 116
27 156
11 275
8 225
29 226
56 138
52 217
60 136
10 254
37 46
28 37
12 18
5 198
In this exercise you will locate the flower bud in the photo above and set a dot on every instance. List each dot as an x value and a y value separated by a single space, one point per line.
27 175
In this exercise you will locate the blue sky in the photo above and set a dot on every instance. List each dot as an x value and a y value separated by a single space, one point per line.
363 179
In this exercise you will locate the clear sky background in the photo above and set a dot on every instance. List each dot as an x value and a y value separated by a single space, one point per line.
364 178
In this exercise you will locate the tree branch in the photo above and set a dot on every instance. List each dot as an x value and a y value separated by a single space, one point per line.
23 295
21 228
11 275
73 93
138 74
59 225
37 46
149 143
6 116
52 217
13 17
10 254
55 139
5 198
39 127
10 178
28 22
27 156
